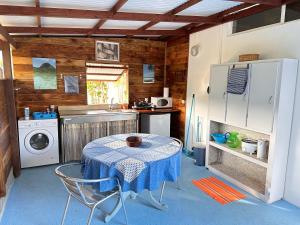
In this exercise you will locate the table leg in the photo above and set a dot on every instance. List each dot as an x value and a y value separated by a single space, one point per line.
118 206
158 204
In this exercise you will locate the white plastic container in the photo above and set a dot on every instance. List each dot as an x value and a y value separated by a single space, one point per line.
249 146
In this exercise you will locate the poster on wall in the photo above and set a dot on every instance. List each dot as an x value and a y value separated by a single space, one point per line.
1 66
148 73
44 73
108 51
71 84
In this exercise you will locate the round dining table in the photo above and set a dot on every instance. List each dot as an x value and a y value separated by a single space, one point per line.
147 167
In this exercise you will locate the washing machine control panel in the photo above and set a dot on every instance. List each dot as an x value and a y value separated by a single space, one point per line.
37 123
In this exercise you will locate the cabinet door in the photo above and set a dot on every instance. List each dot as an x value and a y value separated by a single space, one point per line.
237 106
262 96
217 95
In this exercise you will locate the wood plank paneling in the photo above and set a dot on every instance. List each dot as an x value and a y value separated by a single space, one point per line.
9 146
71 55
177 65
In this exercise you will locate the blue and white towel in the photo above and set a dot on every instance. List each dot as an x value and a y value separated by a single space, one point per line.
237 80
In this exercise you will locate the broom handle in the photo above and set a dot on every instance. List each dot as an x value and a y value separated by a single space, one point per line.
189 123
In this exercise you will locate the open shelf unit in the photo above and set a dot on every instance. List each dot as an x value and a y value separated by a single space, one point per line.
242 169
238 152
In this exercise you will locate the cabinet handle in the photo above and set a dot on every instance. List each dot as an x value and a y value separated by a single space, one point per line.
270 99
224 94
244 96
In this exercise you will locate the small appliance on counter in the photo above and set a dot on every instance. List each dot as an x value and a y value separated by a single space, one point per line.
161 102
142 105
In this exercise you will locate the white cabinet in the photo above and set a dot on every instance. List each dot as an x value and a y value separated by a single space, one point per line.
262 95
265 111
217 95
237 105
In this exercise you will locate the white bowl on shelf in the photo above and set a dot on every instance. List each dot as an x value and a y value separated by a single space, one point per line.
249 145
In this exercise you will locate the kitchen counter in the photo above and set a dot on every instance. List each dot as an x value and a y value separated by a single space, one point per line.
93 112
157 111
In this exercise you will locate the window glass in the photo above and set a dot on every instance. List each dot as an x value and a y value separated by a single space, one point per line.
265 18
292 11
101 91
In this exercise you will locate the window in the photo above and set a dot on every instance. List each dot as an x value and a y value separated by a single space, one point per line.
292 11
107 82
265 18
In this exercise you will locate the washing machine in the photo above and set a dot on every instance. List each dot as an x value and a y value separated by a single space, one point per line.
39 144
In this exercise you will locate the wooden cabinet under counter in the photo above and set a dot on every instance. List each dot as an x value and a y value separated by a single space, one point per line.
81 127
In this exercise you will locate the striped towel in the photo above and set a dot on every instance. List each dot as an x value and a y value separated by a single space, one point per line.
237 80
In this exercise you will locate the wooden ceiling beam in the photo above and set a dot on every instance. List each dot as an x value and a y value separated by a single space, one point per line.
263 2
94 14
84 31
38 18
4 36
113 11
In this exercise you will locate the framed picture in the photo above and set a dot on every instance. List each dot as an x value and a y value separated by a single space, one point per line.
71 84
44 73
108 51
148 73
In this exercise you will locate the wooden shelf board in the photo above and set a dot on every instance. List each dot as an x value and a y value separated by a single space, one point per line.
239 153
243 181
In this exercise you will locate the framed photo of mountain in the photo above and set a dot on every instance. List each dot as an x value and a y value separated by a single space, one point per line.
44 73
108 51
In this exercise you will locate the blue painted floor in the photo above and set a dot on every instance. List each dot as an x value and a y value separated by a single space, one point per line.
38 198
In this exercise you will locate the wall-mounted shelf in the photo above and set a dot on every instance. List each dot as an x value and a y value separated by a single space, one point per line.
238 152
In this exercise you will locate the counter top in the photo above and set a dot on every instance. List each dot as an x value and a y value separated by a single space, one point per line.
76 113
147 111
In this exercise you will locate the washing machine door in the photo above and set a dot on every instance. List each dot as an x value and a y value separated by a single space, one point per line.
39 141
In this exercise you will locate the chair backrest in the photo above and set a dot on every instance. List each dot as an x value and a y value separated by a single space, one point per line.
75 186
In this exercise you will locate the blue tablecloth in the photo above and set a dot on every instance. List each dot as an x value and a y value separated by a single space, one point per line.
156 160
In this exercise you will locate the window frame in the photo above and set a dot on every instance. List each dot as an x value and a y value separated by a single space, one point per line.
282 21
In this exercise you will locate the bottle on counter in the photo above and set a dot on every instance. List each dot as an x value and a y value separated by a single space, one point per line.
26 113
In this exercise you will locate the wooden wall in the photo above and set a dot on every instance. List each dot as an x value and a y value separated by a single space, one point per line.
71 55
9 150
177 65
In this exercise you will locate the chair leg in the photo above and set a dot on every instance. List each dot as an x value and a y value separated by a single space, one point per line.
66 209
123 206
162 192
91 215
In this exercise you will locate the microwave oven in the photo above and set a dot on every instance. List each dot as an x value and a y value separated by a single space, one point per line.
161 102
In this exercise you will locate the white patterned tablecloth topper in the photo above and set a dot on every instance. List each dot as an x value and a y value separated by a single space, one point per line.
113 152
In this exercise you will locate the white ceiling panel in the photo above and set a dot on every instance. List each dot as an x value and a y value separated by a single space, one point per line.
123 24
167 26
79 4
208 7
18 2
150 6
68 22
18 21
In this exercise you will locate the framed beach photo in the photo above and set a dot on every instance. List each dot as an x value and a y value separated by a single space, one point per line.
148 73
108 51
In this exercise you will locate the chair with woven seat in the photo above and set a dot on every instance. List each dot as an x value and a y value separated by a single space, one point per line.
82 190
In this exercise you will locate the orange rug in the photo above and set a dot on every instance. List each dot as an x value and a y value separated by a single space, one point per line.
218 190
